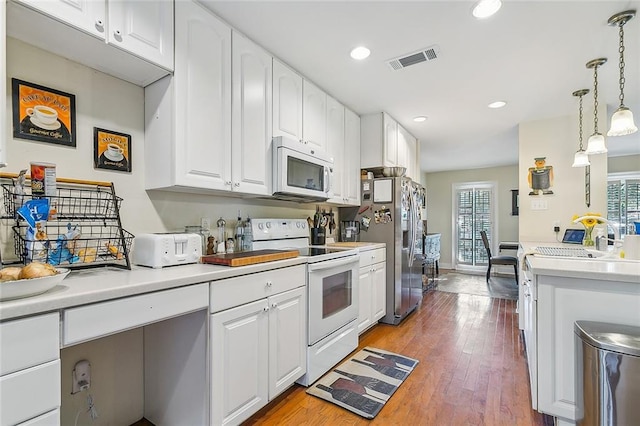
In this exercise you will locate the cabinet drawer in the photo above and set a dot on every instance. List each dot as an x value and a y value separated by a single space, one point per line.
52 418
29 393
237 291
101 319
372 256
28 342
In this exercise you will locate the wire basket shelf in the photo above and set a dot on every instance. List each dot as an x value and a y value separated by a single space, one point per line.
83 229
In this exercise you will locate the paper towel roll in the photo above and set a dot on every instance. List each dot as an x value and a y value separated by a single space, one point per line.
631 247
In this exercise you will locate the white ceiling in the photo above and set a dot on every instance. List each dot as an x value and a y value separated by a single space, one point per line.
531 54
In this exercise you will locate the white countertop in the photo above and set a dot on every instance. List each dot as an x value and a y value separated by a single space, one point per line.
86 286
612 269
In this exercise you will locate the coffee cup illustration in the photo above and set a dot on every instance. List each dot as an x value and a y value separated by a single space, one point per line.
114 150
43 114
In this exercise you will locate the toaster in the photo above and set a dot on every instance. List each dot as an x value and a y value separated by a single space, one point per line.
166 249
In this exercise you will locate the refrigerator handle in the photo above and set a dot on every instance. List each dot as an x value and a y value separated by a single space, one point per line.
412 224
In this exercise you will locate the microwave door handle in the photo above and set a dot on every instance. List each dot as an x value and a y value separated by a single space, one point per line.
327 179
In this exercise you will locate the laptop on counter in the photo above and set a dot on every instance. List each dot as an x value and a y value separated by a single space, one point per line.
573 236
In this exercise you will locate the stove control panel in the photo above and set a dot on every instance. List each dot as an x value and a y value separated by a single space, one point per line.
278 229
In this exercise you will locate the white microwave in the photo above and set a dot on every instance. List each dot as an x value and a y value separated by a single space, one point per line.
300 172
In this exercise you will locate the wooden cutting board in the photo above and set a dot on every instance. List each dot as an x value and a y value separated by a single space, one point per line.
249 257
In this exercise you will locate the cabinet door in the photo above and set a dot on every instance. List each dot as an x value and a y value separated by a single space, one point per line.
403 149
144 28
239 364
336 148
390 141
364 301
314 115
351 179
202 99
379 291
251 117
3 87
86 15
287 102
287 339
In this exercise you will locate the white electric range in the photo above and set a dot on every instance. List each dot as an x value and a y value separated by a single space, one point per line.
332 292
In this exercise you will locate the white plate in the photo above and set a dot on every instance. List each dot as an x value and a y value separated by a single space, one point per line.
31 287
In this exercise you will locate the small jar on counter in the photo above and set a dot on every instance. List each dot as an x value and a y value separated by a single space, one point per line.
203 232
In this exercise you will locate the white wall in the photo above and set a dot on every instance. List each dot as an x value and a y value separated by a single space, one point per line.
557 140
440 203
107 102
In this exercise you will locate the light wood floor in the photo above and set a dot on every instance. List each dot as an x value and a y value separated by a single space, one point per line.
472 370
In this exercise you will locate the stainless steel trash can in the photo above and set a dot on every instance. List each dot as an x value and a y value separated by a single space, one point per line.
607 374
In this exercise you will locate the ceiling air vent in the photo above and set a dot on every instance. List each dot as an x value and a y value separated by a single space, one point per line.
428 54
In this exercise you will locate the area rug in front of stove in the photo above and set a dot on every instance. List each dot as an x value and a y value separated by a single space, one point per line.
365 382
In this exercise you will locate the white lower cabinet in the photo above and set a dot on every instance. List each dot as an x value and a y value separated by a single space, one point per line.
30 369
372 302
258 349
556 304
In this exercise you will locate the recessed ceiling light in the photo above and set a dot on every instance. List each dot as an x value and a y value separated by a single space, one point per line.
486 8
420 119
360 53
497 104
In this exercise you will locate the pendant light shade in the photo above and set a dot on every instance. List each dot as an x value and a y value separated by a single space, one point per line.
581 159
622 123
596 144
622 120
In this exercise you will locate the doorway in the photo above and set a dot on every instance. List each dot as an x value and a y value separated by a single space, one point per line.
474 211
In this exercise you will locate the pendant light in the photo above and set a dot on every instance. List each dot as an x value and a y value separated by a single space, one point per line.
622 120
596 143
581 159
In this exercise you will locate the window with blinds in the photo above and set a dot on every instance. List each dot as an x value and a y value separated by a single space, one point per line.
623 202
474 213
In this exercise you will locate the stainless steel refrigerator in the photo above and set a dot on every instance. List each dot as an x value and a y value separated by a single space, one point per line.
390 212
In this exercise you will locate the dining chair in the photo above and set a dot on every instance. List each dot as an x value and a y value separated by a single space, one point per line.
498 260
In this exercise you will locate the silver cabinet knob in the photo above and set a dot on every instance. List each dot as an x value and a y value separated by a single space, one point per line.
99 25
117 33
265 309
236 184
269 284
275 305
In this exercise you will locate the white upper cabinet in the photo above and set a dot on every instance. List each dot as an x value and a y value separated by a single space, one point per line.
251 117
144 28
314 115
336 147
351 188
88 16
287 102
131 40
3 86
387 144
390 141
188 115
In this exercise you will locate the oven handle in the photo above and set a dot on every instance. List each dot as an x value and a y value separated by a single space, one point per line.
333 264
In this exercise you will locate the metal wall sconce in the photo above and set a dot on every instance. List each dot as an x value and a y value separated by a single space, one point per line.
622 120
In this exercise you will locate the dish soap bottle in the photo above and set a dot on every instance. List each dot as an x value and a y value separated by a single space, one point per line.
239 234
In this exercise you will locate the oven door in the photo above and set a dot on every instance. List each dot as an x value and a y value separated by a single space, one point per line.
333 295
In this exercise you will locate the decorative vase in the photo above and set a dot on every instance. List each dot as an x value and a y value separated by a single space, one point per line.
588 240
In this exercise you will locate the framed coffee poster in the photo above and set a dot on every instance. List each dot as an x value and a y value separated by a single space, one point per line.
43 114
112 150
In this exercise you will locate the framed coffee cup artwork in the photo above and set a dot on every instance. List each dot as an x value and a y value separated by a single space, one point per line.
43 114
112 150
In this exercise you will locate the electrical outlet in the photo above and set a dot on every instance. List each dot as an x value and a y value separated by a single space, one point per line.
205 222
81 376
556 226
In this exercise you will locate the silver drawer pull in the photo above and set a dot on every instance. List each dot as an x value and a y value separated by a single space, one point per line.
269 284
275 305
265 309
